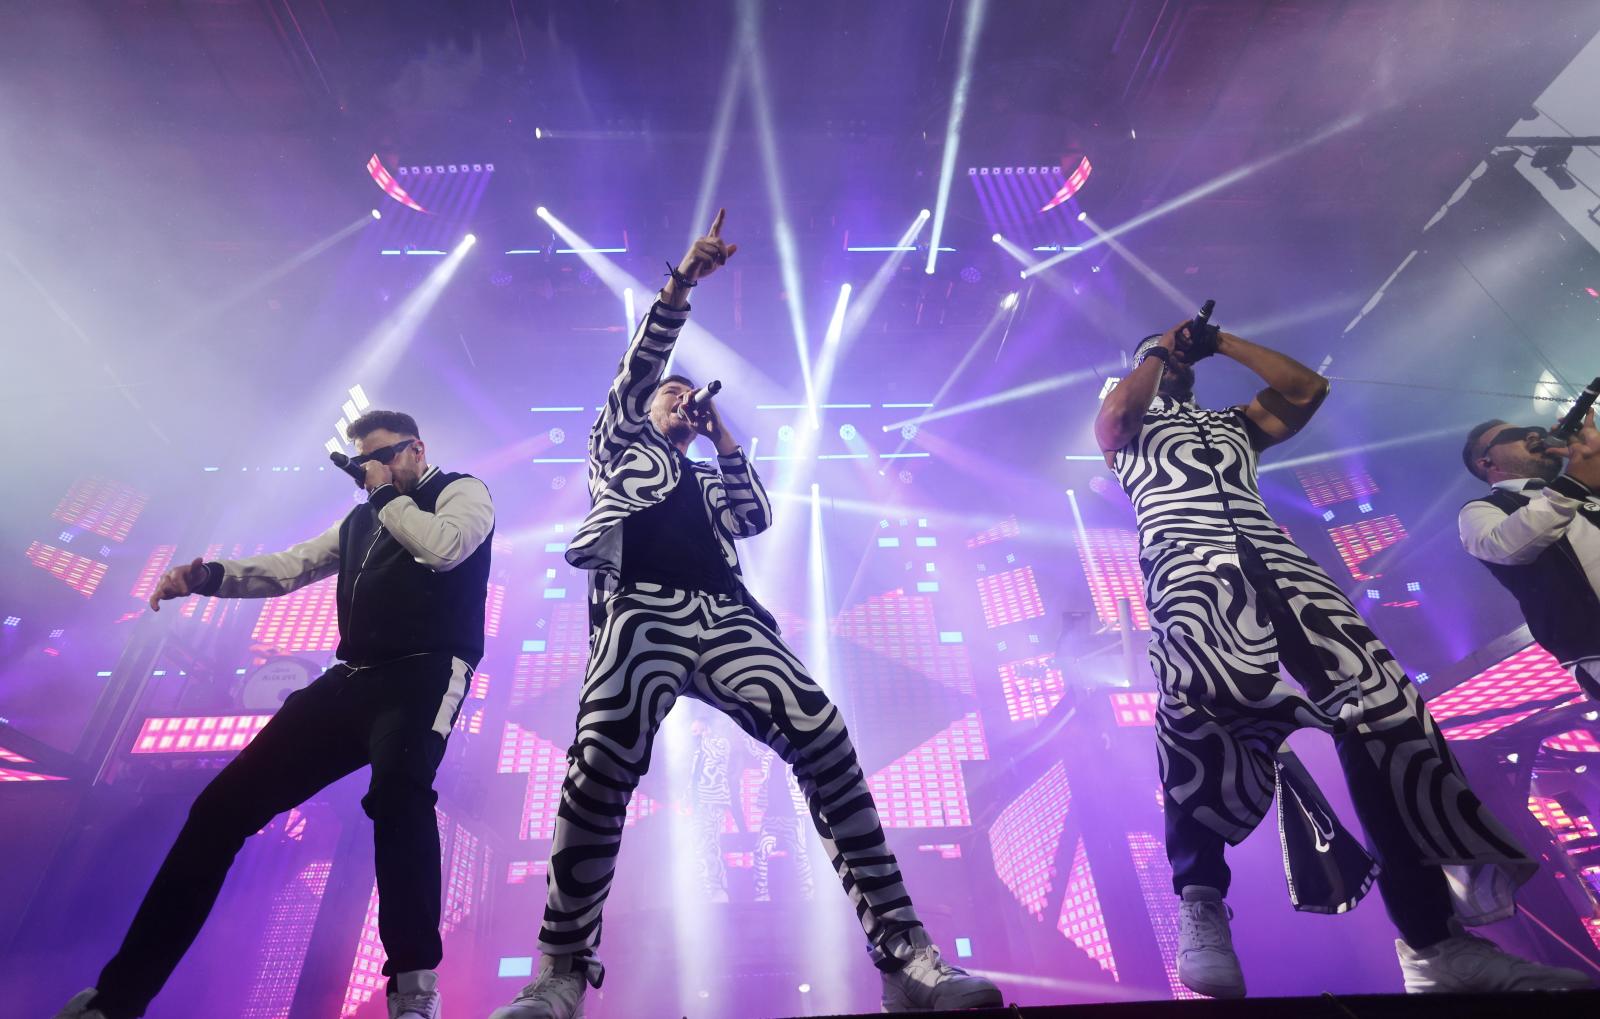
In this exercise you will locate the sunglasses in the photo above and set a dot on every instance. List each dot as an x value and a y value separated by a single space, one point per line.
385 454
1510 435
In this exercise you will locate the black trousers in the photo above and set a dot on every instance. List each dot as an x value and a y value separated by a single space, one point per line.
394 716
1416 894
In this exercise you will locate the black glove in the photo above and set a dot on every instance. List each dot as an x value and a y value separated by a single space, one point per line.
1201 345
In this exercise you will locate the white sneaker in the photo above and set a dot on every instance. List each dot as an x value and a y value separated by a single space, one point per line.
1206 960
415 995
1467 962
78 1007
552 995
928 982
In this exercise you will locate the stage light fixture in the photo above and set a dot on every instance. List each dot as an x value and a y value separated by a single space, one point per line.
542 212
847 432
1010 300
1082 216
786 433
996 238
376 214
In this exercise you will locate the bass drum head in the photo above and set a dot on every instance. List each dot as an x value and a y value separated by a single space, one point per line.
268 686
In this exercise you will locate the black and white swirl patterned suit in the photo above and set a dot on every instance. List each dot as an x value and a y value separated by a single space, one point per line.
651 644
1225 709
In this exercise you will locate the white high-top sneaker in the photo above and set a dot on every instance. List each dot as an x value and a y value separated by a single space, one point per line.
1206 960
552 995
1468 962
928 982
415 995
78 1007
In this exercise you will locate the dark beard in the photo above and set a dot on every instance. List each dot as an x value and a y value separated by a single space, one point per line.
678 431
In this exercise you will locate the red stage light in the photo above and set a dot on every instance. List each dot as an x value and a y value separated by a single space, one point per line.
1032 686
1007 528
1361 540
307 620
1532 675
197 734
81 574
1009 597
1326 484
1026 835
1135 708
1081 919
108 508
1110 560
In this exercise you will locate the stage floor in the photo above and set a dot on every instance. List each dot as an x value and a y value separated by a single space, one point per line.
1569 1005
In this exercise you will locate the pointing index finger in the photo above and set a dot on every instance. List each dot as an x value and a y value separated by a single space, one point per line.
716 224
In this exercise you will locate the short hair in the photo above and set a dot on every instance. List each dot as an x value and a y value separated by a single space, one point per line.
1472 443
388 420
675 378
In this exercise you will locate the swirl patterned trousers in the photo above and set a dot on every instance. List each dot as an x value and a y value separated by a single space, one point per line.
656 644
1415 894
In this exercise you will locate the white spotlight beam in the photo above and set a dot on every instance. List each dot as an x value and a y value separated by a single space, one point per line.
202 314
707 355
380 352
862 307
1163 286
1022 392
782 231
972 25
1209 187
828 360
721 130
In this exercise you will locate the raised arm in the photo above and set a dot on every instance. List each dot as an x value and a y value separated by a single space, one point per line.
1122 411
461 520
262 576
1511 539
1293 393
627 409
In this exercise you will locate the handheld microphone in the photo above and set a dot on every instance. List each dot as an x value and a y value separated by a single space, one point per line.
349 466
1572 423
702 396
1202 334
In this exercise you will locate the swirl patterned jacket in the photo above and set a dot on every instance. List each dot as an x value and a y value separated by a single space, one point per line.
1225 710
632 466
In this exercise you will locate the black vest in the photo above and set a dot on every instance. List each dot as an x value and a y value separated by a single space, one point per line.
391 605
1557 599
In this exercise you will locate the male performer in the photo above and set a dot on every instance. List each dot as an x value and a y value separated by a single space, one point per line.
413 568
1231 597
1538 532
672 617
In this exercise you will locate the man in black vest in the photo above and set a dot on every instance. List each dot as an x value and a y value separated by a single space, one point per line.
1538 532
413 568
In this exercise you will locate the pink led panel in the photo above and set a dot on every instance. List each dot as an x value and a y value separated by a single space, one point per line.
78 572
1558 822
901 628
1009 597
307 620
1032 686
494 606
12 757
564 658
1578 741
520 872
944 850
197 734
1329 483
154 567
1026 835
1110 558
466 874
1006 528
1361 540
521 750
1081 920
14 775
925 788
1155 884
1135 708
107 508
283 944
1530 675
366 972
212 610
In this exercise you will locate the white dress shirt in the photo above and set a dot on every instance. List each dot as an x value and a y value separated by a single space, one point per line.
1518 538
